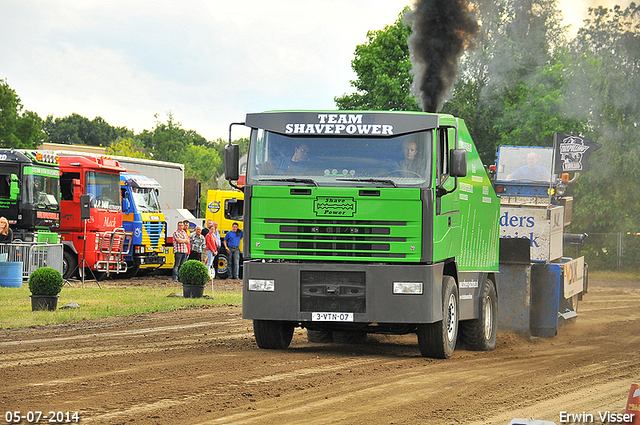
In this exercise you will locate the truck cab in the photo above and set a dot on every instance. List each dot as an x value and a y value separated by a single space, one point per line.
143 219
91 216
362 222
30 194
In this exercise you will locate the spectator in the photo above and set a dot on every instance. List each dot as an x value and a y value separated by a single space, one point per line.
6 234
180 249
232 244
212 250
198 244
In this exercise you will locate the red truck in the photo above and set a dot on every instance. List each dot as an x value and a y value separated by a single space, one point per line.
91 216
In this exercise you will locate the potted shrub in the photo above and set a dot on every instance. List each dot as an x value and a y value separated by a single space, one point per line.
194 276
45 284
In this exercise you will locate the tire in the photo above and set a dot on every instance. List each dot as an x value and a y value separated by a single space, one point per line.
69 263
273 335
480 334
349 337
222 266
132 270
319 336
438 340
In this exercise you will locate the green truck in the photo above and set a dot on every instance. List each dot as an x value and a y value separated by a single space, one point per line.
360 222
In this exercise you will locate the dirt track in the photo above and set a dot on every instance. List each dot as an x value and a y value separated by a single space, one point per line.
201 366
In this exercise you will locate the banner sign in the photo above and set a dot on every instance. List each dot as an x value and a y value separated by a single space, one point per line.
572 153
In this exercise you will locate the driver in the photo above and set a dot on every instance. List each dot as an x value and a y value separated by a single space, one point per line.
531 171
410 163
300 155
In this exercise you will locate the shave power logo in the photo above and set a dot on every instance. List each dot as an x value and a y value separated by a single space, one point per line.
331 206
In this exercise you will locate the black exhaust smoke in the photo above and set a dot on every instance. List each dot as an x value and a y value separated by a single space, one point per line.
441 30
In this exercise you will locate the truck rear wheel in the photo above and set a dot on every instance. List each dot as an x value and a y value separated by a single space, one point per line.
222 266
271 334
480 334
319 336
438 340
349 337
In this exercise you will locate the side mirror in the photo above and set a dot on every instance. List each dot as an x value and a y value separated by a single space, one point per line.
126 205
231 162
14 188
77 190
458 162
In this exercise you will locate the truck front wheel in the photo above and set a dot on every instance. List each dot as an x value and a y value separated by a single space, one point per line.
271 334
438 340
480 334
69 263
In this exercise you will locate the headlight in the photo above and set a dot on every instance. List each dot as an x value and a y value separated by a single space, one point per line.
407 288
262 285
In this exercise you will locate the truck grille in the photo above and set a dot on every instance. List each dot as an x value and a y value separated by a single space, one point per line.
329 291
154 234
335 238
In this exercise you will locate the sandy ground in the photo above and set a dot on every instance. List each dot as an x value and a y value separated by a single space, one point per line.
202 366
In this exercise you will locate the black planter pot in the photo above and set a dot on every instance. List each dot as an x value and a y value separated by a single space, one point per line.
44 302
192 291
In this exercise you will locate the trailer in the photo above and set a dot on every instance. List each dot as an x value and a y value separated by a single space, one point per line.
539 287
361 222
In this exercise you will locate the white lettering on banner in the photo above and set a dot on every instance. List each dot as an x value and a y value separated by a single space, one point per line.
478 179
339 124
464 196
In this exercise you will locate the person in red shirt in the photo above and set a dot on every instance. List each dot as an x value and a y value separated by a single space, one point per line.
212 248
180 249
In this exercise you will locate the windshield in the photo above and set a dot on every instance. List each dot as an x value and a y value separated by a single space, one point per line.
401 160
103 190
41 186
146 200
525 164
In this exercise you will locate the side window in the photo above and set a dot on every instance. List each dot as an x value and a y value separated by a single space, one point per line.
66 185
5 184
442 154
233 209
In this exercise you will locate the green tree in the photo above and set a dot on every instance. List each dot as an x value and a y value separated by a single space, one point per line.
382 65
78 130
17 130
512 87
125 147
168 141
606 77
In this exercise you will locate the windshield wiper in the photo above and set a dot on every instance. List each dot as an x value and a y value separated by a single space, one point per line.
385 181
293 180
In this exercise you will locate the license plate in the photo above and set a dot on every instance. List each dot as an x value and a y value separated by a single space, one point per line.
332 317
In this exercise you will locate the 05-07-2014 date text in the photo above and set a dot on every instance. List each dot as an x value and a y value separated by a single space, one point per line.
16 417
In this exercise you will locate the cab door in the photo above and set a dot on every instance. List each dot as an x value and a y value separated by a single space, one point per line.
447 222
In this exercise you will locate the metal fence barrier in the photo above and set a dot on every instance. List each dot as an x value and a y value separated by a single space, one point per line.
33 256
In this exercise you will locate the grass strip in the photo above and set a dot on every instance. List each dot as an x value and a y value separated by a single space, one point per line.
95 302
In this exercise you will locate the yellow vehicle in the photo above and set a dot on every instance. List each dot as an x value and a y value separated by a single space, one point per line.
225 207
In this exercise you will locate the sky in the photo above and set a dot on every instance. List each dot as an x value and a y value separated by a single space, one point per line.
205 62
